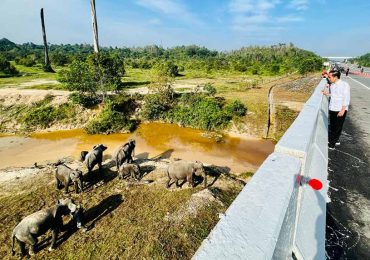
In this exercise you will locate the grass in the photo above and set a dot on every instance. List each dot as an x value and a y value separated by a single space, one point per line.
47 87
126 222
28 74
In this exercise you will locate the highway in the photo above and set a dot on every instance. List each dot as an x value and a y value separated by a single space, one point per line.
348 213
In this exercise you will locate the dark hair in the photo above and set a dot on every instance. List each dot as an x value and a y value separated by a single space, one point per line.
335 73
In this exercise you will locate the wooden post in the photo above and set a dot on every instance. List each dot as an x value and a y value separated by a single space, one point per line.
95 26
47 65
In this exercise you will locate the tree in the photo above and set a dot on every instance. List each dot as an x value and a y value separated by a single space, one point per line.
100 72
95 26
47 65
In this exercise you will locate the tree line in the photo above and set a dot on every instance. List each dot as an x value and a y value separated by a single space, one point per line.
255 60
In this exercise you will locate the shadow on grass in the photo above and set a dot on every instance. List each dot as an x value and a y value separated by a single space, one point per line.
105 175
90 217
134 83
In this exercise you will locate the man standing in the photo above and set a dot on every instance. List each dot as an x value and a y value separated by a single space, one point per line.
338 106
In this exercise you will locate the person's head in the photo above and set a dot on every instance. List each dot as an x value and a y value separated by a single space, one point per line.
334 75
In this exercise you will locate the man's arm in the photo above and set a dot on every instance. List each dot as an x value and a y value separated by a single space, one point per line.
346 99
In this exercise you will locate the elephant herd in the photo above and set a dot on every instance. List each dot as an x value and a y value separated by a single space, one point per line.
38 223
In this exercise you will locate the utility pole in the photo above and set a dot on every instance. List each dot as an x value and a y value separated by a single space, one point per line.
95 26
47 65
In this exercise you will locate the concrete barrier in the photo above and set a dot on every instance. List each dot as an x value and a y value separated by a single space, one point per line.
274 217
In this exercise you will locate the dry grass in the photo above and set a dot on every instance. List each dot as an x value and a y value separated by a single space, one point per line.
126 221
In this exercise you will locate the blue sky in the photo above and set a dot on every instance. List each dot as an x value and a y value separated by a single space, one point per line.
327 27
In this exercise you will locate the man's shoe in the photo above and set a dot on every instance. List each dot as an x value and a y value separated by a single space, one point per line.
337 143
331 146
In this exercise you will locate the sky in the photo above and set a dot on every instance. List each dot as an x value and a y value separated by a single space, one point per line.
326 27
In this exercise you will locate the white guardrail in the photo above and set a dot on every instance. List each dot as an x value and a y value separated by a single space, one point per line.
274 217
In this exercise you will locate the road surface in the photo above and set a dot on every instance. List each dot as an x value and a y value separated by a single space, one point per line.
348 213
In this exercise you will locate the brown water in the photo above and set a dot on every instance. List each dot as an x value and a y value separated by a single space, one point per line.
152 140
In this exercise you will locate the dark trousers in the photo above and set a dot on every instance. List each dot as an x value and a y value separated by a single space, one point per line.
336 125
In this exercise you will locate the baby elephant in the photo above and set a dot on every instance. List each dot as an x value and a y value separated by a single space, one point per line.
182 170
65 175
129 169
36 224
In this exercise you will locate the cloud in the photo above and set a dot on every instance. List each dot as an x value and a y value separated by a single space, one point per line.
251 15
298 5
173 8
289 19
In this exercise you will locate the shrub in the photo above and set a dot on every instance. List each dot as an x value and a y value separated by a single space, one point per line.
210 89
85 100
205 113
110 121
27 61
44 114
235 108
158 104
6 68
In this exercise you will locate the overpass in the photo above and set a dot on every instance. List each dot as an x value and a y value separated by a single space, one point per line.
277 215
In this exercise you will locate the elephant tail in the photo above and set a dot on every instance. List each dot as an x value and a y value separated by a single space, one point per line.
13 240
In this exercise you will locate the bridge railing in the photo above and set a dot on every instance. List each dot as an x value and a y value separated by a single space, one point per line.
274 216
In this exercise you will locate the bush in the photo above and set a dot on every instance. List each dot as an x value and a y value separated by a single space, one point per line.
6 68
206 114
110 121
210 89
235 109
28 61
43 114
85 100
157 105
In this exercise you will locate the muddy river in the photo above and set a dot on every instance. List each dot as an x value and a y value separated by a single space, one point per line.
153 140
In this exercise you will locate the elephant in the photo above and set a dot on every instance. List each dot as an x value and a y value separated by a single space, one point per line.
94 157
38 223
83 155
129 169
65 175
183 170
125 153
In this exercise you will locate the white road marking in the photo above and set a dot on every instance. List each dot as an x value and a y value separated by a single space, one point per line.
359 82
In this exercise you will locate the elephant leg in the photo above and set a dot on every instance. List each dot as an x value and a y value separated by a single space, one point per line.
22 247
66 187
57 184
76 187
169 183
100 167
54 238
190 180
32 241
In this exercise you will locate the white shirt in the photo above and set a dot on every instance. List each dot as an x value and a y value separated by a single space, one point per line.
339 95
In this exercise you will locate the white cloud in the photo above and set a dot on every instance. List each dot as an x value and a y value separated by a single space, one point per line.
173 8
251 15
298 4
289 19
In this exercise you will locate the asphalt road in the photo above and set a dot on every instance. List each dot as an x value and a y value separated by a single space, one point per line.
348 213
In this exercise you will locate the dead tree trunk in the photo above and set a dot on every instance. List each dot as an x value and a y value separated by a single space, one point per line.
95 26
269 111
47 65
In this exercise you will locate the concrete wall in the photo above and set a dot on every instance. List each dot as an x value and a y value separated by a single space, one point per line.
274 217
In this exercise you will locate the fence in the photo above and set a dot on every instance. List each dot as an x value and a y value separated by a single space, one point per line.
274 217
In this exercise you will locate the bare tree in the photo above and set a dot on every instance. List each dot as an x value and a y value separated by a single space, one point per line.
95 26
47 65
